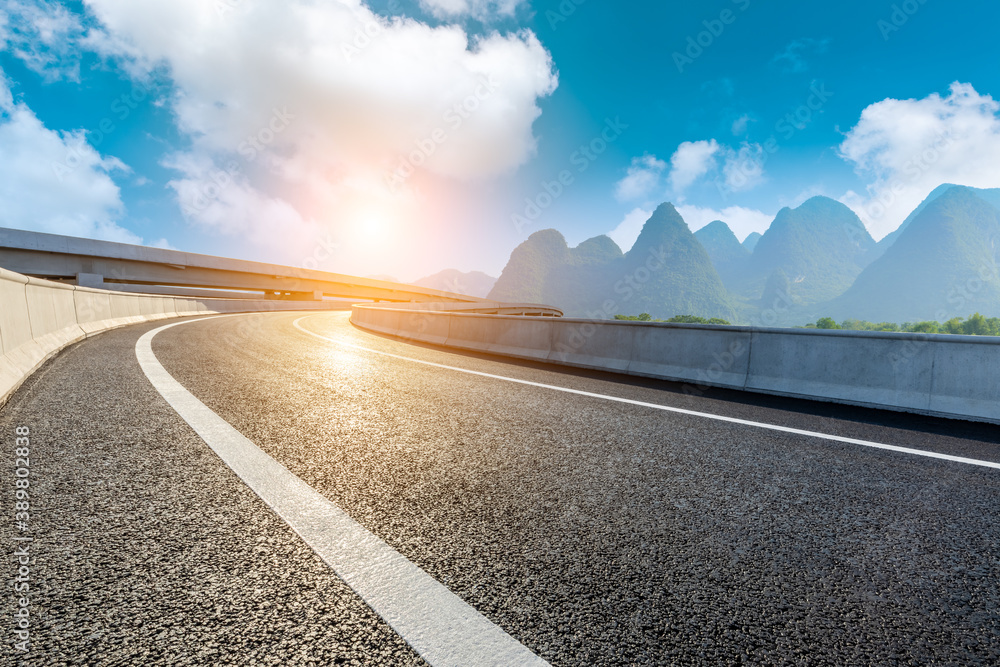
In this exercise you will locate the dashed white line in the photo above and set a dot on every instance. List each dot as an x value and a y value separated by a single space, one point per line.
666 408
440 626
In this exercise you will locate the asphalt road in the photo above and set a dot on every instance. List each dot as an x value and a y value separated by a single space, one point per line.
592 532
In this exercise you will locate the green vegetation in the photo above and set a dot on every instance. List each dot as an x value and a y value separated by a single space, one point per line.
943 265
728 257
678 319
821 247
975 325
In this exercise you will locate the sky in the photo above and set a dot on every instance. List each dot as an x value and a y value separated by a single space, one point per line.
404 137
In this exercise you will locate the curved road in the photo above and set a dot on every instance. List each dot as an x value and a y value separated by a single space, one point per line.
585 529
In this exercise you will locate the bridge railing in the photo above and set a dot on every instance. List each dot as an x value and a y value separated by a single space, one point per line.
934 374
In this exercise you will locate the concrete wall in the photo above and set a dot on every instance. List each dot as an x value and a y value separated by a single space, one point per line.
38 318
951 376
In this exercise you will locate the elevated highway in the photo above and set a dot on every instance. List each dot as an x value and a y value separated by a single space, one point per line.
102 264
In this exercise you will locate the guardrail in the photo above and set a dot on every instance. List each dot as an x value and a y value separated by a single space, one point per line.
949 376
38 318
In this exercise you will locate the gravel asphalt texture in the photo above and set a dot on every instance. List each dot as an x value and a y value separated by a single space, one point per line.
596 533
148 550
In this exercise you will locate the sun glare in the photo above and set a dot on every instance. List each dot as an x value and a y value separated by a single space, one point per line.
371 226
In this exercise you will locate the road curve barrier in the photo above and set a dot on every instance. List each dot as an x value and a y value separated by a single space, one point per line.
38 318
932 374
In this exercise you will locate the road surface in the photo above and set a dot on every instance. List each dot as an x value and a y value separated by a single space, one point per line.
578 521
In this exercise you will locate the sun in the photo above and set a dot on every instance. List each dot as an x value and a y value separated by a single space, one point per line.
370 226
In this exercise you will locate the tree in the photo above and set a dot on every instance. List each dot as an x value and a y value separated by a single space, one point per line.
976 325
826 323
930 327
953 326
644 317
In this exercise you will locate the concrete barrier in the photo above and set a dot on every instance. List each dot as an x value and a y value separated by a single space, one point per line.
941 375
38 318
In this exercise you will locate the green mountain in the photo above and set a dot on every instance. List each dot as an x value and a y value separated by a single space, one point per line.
990 195
750 242
944 264
728 256
666 273
530 270
821 246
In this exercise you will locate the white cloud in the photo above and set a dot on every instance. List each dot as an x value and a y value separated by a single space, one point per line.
741 220
628 229
741 124
227 204
44 35
643 177
744 168
480 9
691 161
356 96
55 182
906 148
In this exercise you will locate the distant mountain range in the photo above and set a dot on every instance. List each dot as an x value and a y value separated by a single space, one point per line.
666 272
473 283
815 260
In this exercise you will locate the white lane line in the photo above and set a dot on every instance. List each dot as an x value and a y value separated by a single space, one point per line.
656 406
441 627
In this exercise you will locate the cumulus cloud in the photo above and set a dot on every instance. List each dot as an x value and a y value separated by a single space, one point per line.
55 182
741 220
307 105
629 228
743 168
225 203
480 9
906 148
691 161
642 177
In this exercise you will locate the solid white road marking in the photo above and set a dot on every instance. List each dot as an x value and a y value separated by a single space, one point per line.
439 625
656 406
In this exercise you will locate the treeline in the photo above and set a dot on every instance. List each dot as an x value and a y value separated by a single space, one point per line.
682 319
976 325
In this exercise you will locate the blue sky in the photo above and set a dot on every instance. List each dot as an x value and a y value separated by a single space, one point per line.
402 137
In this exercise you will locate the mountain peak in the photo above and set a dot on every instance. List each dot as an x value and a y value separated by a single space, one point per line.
547 238
821 245
948 245
750 242
717 230
665 224
598 248
728 256
665 212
